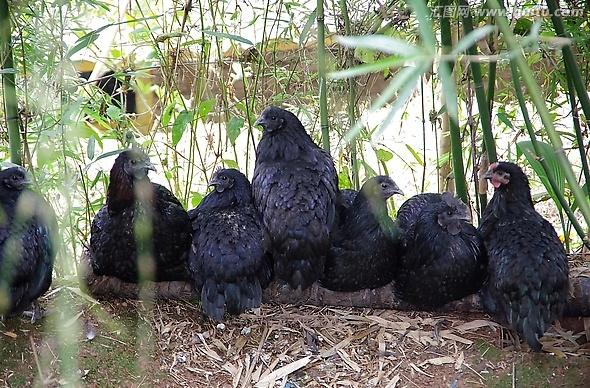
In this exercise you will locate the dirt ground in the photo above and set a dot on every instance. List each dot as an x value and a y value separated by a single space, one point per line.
130 343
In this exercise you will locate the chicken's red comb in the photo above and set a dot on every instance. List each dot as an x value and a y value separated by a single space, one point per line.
493 166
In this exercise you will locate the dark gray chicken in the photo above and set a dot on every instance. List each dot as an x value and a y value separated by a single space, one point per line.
229 261
365 245
443 255
27 243
133 202
294 187
528 271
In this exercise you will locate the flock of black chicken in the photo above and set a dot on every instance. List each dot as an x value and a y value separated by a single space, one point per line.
293 224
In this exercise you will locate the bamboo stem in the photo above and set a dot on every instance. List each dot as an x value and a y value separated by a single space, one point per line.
9 85
480 94
351 97
322 76
454 132
571 68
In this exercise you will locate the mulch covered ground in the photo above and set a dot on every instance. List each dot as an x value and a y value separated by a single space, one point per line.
170 343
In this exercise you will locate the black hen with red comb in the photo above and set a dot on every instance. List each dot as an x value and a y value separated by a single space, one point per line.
528 271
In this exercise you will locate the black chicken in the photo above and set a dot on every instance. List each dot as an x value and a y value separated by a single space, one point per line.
229 261
294 187
27 243
365 244
528 271
443 255
133 205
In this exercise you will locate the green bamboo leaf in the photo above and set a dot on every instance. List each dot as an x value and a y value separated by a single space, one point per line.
179 126
548 154
205 107
229 163
86 40
415 154
503 117
424 23
382 43
383 155
234 128
379 65
224 35
471 38
310 22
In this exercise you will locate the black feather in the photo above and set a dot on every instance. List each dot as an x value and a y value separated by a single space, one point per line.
528 270
365 244
27 242
229 261
294 187
443 255
114 246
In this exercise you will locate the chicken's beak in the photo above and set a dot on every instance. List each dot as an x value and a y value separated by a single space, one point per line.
397 190
488 175
260 121
149 166
213 183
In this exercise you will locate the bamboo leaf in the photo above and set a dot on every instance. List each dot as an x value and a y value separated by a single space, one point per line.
471 38
179 126
383 155
379 65
234 128
382 43
225 35
415 154
310 22
548 154
424 22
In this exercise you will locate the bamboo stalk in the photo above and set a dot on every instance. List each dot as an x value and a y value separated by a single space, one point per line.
480 93
351 97
322 76
578 130
454 132
571 68
525 115
9 85
537 98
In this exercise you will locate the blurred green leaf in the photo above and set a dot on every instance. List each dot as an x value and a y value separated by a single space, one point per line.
308 24
230 163
234 128
471 38
205 107
503 117
383 155
179 126
196 199
415 154
383 43
548 154
224 35
114 112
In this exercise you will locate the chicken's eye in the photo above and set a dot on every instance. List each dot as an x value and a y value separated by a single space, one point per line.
383 185
449 212
273 118
224 178
14 178
133 161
